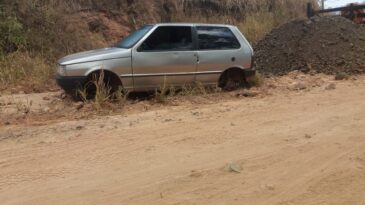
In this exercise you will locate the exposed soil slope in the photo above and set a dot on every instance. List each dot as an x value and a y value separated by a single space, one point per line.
324 44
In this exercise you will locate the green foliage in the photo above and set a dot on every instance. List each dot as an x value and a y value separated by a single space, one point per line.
12 35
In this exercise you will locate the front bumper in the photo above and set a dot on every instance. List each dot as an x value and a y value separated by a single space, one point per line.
69 83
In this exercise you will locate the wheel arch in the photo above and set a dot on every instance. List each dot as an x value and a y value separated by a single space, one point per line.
224 74
108 73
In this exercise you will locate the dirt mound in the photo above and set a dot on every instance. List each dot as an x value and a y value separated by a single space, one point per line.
328 45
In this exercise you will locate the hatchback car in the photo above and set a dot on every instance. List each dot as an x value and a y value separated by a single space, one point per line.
169 54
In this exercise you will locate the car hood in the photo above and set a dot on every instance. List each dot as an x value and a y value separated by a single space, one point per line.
95 55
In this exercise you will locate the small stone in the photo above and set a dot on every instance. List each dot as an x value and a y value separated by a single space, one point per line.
331 86
270 187
233 167
272 86
308 22
7 123
79 127
46 109
307 136
299 86
79 105
312 73
247 94
46 98
195 174
63 96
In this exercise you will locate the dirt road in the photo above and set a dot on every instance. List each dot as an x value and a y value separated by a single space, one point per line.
304 147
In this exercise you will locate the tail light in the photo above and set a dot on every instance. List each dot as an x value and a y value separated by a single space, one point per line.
252 61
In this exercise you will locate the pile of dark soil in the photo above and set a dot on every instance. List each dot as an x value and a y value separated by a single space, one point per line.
330 45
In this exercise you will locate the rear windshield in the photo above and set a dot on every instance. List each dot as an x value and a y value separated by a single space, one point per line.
132 39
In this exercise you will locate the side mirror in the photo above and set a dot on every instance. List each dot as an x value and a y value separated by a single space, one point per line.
143 47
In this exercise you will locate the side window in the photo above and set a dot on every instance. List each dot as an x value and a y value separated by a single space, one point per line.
169 38
216 38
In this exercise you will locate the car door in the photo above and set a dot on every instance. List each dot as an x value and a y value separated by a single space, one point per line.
166 57
218 49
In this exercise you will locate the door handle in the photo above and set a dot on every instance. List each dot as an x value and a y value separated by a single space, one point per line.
197 58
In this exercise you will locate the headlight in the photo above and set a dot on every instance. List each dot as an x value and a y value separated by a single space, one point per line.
61 70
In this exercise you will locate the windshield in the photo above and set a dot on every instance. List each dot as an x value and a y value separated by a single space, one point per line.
132 39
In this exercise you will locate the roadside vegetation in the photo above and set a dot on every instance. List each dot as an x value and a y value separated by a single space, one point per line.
101 98
99 95
35 33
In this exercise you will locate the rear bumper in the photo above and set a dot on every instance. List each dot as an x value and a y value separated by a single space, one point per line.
69 83
250 72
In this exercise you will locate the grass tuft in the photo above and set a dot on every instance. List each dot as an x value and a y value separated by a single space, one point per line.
100 95
162 94
256 80
341 76
24 107
102 91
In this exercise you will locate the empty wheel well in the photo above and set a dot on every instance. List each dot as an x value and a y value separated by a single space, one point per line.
229 74
110 78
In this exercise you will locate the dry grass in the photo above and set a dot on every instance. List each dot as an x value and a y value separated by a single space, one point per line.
102 94
255 81
198 89
257 25
165 94
19 68
255 18
24 107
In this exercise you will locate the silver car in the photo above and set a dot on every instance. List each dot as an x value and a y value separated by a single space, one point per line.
169 54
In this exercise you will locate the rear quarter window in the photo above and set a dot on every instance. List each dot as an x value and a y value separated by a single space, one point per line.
216 38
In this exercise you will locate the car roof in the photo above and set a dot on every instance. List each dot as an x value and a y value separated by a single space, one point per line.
190 24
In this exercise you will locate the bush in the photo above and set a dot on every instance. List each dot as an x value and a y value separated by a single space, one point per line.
341 76
12 35
256 80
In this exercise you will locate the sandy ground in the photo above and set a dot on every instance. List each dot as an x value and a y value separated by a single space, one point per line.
295 147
